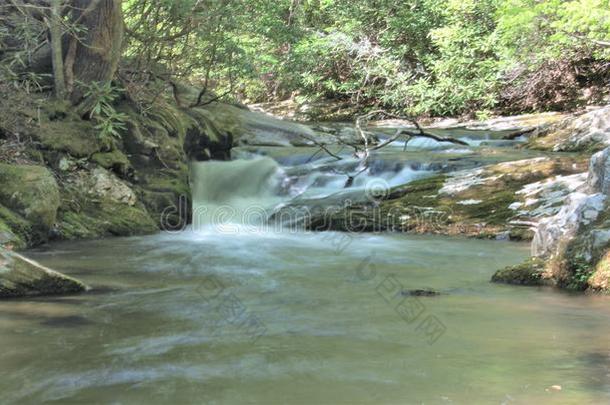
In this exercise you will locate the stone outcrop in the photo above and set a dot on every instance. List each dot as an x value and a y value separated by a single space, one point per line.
253 128
319 111
580 210
587 132
21 277
574 242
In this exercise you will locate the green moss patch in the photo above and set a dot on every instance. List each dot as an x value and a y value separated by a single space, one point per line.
32 193
105 219
14 230
528 273
115 161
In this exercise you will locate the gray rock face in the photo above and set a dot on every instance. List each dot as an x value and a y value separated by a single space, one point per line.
264 130
580 210
104 184
592 128
22 277
599 172
258 129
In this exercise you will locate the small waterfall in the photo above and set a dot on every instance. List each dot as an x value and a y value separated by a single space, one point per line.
247 192
236 192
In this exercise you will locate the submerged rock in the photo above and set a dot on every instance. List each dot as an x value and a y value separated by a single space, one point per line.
22 277
420 293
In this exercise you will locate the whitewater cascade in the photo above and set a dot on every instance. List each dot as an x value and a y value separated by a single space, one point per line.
227 195
235 192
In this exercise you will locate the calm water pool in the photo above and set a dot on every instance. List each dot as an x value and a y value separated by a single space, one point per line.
266 318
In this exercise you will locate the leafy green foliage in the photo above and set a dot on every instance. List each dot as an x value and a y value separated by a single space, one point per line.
424 57
581 273
420 56
108 121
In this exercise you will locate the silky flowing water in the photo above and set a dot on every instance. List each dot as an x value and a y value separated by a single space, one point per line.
242 312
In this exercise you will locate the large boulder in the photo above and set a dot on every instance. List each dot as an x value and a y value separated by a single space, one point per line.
22 277
254 128
32 193
599 172
580 210
98 204
574 242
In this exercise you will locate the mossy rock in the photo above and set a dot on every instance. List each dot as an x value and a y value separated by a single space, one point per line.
583 260
528 273
482 209
14 230
32 193
74 136
172 181
600 279
104 219
21 277
166 192
115 161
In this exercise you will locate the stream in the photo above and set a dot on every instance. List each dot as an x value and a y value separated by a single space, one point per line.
232 310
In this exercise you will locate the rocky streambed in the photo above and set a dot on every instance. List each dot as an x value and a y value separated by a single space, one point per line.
519 178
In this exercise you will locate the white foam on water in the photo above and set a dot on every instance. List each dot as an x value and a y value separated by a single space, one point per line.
238 196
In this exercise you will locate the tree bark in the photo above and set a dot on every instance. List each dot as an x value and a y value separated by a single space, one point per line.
98 51
56 33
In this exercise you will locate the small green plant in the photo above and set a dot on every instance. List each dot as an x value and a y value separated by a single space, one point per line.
483 115
581 272
108 121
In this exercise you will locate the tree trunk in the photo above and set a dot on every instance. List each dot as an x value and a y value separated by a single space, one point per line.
94 56
56 32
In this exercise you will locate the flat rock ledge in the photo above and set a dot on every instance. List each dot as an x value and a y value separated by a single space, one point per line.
22 277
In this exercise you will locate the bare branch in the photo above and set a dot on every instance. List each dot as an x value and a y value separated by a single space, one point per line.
322 147
435 137
199 102
403 131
